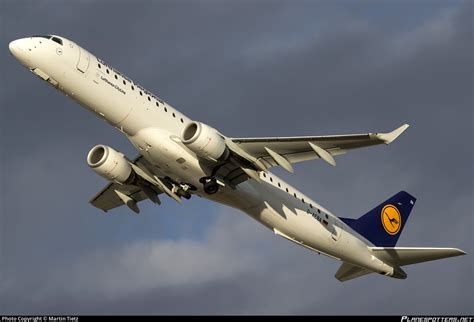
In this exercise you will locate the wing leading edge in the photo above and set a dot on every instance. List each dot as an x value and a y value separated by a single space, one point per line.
267 152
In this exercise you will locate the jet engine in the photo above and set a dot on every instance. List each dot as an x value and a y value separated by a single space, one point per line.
205 141
110 164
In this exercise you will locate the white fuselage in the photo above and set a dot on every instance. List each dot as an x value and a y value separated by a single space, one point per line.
154 128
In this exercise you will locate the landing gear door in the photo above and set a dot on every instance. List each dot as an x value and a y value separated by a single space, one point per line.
84 60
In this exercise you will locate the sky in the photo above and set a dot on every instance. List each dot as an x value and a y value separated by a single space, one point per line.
248 68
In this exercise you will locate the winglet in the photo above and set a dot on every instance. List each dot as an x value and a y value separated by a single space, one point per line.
391 136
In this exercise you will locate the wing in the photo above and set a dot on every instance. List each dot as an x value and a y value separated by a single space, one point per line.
283 151
108 198
116 195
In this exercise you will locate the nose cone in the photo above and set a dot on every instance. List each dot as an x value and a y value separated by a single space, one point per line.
19 50
13 46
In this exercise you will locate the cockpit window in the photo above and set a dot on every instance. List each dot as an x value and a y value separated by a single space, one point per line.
58 40
53 38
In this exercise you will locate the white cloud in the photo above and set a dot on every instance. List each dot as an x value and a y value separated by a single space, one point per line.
229 249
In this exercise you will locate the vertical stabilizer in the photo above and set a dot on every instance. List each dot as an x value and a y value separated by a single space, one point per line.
383 225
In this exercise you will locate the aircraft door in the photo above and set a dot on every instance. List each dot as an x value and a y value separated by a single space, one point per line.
336 230
84 60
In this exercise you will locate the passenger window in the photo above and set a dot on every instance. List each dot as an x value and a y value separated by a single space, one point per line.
279 185
310 206
294 195
133 88
174 115
141 94
58 40
124 82
149 100
107 70
287 190
157 104
100 66
302 199
264 175
182 121
166 110
116 77
271 179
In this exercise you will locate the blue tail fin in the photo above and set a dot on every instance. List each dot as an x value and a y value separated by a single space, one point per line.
383 225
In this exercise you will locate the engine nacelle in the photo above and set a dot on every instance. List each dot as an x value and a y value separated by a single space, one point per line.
110 164
205 141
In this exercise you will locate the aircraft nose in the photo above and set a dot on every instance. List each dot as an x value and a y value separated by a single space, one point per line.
13 46
19 49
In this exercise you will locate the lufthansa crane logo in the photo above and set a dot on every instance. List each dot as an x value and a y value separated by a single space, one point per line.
391 219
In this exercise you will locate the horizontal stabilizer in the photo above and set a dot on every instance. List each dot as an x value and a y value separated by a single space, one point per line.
348 272
401 256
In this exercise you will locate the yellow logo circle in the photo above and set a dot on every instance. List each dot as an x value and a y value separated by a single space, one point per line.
391 219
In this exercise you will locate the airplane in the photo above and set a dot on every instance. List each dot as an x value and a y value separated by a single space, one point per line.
180 157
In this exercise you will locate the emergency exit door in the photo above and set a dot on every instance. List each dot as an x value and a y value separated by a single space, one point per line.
84 60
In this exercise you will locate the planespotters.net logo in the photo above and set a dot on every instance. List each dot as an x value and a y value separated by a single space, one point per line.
437 319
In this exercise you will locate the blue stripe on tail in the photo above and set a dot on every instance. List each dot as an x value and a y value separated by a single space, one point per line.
383 225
